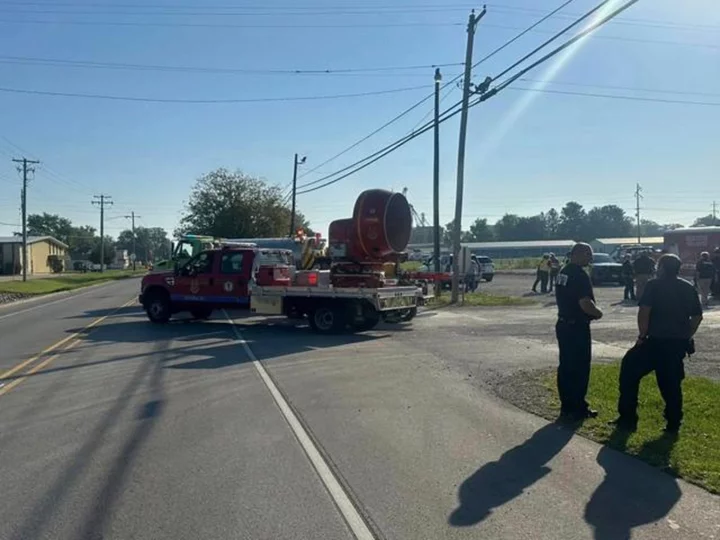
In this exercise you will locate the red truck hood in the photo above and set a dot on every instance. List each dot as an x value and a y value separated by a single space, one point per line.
157 279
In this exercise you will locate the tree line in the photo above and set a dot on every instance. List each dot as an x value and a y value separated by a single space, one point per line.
572 222
222 204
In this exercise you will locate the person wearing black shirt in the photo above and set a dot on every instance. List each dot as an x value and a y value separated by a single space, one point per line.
628 279
669 315
576 308
704 274
644 268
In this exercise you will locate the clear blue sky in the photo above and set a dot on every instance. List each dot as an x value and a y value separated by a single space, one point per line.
526 152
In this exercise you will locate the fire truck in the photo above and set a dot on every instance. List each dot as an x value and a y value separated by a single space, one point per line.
351 295
306 249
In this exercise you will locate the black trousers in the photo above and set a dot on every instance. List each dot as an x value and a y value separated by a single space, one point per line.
665 358
553 281
573 374
629 293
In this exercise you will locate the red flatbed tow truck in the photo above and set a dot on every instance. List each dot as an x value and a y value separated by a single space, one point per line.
350 296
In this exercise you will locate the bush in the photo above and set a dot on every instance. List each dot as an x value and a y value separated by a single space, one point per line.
56 264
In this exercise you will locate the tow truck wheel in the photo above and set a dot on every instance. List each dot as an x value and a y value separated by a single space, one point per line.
370 321
408 315
327 320
201 313
157 308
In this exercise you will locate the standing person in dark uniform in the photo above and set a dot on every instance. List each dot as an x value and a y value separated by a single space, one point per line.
715 287
704 274
644 268
628 278
670 314
576 308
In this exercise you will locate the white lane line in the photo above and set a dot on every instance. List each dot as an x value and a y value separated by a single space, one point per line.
356 523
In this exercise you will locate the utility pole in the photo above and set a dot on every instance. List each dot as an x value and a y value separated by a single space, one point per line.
102 201
132 216
457 223
23 196
436 179
294 189
638 196
714 214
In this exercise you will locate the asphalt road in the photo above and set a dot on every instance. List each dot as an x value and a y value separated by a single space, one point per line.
262 430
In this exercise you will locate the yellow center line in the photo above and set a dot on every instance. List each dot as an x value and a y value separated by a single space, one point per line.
72 339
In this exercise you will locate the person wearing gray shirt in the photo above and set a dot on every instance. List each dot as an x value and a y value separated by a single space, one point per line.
669 315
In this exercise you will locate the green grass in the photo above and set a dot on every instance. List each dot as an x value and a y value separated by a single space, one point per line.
481 300
411 266
694 456
64 283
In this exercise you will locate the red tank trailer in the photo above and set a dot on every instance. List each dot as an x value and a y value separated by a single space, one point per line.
377 233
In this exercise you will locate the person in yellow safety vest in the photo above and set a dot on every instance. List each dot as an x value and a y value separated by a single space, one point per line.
542 275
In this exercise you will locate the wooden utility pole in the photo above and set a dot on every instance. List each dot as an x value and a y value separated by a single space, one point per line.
638 196
457 223
132 217
102 201
23 195
294 190
436 179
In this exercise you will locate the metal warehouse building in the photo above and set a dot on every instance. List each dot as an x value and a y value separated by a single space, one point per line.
608 245
510 250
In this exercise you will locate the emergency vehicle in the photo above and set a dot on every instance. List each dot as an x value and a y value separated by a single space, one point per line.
352 294
689 243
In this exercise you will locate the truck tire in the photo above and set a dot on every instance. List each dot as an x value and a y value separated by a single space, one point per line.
201 313
157 307
327 319
408 315
370 321
489 278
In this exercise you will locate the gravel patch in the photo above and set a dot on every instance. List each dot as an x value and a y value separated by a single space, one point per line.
8 298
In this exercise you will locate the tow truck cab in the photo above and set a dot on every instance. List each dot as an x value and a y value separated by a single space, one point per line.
213 279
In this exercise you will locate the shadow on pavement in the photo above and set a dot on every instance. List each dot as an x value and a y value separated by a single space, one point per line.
632 493
499 482
41 514
104 312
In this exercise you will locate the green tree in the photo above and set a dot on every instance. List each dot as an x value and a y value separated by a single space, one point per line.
53 225
552 223
608 221
480 231
573 222
109 253
706 221
151 243
234 205
82 241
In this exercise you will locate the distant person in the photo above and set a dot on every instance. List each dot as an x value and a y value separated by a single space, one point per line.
471 277
643 268
542 274
628 276
554 271
716 281
670 314
576 308
704 275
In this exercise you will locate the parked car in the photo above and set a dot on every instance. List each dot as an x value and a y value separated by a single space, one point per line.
487 268
605 270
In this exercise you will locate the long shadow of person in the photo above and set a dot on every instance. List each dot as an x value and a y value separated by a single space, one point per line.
632 494
498 482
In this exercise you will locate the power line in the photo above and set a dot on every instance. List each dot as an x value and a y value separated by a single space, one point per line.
55 22
210 101
617 96
55 62
452 111
426 98
616 87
